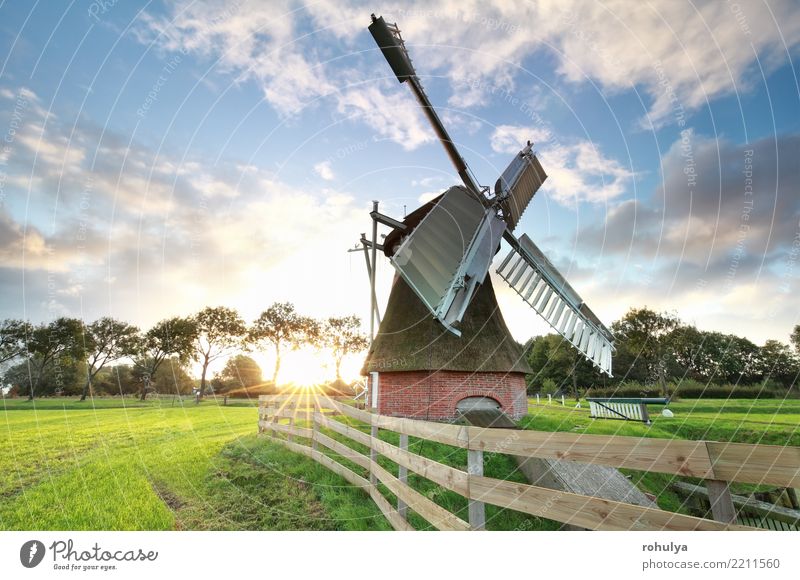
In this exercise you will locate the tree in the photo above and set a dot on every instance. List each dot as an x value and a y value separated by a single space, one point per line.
219 330
13 337
794 338
343 336
171 337
116 380
281 326
647 335
107 340
50 342
553 358
172 377
240 371
777 361
63 375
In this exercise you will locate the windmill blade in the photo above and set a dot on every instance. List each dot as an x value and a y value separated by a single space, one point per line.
528 271
389 40
518 184
446 257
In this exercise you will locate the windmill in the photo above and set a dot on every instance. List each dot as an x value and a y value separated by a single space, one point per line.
442 253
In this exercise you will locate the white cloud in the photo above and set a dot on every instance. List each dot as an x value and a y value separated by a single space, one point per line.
394 115
250 39
512 138
680 53
428 196
324 170
577 172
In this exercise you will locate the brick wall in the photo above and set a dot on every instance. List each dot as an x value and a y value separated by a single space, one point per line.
434 395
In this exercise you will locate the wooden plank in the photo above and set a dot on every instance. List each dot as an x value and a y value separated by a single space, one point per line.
719 495
441 432
454 435
296 447
689 458
446 476
477 509
353 413
348 453
584 511
398 521
292 414
287 429
342 429
745 504
439 517
340 469
772 464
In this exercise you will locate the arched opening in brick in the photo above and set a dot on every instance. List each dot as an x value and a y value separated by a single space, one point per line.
478 403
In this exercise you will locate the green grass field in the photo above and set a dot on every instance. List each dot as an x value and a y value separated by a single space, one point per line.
124 465
154 466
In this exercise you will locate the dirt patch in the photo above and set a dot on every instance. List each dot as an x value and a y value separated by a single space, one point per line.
172 501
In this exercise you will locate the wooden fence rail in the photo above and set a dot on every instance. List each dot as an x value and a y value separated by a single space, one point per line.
717 463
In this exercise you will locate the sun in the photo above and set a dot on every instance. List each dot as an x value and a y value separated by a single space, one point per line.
307 367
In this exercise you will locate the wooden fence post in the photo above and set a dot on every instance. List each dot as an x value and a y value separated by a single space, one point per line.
373 456
402 475
477 510
719 494
314 427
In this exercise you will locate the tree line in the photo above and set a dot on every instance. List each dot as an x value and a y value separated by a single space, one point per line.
46 357
656 348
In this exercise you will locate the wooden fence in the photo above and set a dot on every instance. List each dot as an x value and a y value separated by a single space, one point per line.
717 463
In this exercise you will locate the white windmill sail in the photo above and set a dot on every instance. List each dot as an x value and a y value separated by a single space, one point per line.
517 185
528 271
446 257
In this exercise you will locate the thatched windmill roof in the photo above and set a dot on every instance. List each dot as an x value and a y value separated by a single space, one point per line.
410 339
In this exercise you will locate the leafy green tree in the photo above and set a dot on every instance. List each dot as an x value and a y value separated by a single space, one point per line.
553 358
48 343
172 377
62 375
13 336
343 336
794 338
646 334
218 331
240 371
172 337
116 380
107 340
777 361
280 327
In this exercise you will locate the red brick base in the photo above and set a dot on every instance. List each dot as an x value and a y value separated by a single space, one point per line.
434 395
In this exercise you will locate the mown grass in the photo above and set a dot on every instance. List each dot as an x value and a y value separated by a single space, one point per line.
150 466
121 464
768 422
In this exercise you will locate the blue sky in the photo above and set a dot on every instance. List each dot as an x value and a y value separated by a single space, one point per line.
166 156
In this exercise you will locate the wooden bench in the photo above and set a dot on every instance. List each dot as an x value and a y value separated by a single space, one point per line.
626 409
